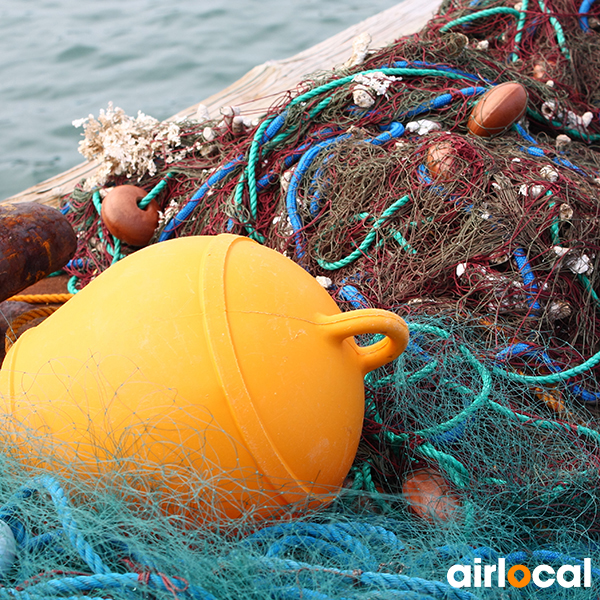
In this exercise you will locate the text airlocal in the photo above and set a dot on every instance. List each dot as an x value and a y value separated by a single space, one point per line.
519 576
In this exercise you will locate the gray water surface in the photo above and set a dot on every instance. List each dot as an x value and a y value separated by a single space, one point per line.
62 60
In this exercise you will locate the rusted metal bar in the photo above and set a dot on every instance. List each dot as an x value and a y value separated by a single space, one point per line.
35 240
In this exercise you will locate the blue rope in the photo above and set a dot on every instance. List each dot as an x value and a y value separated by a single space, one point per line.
391 131
539 152
327 539
91 559
388 581
352 295
583 10
443 100
528 278
78 263
191 204
334 540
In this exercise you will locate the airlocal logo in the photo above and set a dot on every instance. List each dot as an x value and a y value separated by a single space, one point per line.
518 576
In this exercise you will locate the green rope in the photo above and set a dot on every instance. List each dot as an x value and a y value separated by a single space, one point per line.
366 243
482 14
155 191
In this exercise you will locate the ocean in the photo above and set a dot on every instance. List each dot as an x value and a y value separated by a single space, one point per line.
61 60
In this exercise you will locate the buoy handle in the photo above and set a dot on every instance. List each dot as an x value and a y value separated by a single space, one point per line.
370 320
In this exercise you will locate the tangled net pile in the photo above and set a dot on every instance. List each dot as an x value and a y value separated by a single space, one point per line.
491 254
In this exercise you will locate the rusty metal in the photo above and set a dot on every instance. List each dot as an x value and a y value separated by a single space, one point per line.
35 240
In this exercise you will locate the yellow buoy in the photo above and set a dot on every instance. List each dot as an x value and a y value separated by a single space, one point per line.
211 373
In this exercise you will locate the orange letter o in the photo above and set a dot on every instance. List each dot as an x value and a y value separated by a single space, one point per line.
516 582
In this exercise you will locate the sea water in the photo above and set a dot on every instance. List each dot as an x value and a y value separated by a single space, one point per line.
61 60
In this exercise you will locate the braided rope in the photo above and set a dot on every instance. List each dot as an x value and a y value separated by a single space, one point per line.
482 14
20 321
155 191
41 298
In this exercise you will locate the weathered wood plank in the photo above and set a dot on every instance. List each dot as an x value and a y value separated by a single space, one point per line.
258 89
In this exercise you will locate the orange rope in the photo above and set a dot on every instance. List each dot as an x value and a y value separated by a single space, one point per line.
30 315
42 298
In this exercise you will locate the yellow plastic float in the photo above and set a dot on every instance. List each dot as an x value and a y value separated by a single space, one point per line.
211 374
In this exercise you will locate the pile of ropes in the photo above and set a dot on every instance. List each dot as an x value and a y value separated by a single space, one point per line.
489 248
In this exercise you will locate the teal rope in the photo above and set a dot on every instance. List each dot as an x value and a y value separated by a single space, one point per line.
520 28
590 363
585 281
480 400
72 285
455 470
560 36
482 14
155 191
545 424
366 243
250 170
115 250
587 284
97 201
574 133
280 137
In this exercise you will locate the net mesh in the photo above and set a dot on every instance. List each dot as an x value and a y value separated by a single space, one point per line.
481 441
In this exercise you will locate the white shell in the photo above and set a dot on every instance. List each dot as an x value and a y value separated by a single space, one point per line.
549 174
208 134
362 97
324 281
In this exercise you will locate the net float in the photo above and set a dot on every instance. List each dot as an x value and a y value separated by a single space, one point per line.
35 240
441 159
209 373
430 496
498 109
125 219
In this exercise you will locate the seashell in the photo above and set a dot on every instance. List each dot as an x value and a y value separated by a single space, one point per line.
499 109
363 97
125 219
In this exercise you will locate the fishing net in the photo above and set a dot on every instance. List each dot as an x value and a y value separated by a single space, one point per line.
481 441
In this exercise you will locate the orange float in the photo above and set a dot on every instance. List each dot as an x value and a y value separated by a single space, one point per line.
441 159
498 109
125 219
430 496
212 374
